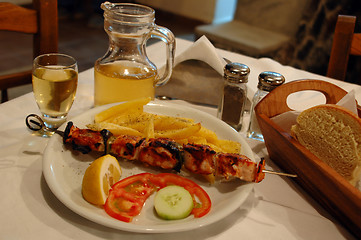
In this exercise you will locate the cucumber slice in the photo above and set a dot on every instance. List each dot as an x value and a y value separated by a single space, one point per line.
173 202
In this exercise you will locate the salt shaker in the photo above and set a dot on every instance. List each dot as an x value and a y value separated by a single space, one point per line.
267 81
234 94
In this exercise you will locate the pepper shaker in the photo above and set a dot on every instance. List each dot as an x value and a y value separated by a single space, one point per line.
267 81
234 94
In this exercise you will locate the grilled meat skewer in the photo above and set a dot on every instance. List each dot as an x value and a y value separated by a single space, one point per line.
166 154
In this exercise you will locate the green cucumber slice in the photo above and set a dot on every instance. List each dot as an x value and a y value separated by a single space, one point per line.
173 202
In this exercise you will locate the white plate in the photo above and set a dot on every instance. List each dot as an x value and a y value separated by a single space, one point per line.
64 169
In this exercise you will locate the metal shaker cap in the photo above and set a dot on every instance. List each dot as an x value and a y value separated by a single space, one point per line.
268 81
236 72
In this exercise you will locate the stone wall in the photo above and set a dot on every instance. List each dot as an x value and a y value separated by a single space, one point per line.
310 48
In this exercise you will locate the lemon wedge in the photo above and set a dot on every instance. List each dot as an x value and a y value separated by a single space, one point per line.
99 177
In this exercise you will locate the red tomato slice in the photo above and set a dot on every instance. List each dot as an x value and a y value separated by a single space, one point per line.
127 197
205 202
123 209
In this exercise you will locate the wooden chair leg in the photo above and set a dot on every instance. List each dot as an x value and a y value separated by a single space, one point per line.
4 95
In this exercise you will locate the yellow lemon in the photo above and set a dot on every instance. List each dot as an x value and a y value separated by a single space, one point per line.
99 177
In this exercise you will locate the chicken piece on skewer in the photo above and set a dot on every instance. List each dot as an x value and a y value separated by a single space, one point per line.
160 152
229 165
202 159
126 147
199 159
84 140
167 154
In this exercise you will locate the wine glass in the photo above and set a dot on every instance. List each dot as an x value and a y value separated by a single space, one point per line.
55 80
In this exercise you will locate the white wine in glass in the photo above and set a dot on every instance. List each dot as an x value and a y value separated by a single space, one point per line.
55 79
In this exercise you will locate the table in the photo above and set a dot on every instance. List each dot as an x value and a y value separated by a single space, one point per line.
276 209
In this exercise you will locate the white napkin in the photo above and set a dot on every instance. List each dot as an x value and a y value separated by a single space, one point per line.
202 50
348 101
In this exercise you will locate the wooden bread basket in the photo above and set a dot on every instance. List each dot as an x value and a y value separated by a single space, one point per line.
322 182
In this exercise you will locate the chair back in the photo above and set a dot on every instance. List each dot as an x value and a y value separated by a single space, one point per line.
345 43
42 22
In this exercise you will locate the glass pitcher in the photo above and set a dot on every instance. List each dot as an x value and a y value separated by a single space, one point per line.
125 72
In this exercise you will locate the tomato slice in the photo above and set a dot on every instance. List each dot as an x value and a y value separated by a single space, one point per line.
204 205
127 197
122 208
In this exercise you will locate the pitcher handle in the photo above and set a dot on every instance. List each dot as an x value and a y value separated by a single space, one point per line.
168 38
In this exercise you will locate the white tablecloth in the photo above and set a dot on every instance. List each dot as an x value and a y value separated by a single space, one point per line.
276 209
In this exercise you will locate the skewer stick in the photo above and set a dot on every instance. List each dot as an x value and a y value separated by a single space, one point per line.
279 173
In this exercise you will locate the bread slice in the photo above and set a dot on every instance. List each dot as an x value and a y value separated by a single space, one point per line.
333 134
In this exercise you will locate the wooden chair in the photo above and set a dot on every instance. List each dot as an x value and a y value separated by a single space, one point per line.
345 43
42 22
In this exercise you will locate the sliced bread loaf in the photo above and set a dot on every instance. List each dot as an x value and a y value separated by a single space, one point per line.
333 134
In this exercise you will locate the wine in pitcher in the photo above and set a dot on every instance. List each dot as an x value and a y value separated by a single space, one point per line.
123 81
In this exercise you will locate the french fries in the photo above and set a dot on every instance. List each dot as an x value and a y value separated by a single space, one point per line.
229 146
129 119
115 129
170 123
149 129
121 108
181 133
